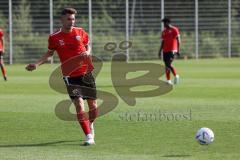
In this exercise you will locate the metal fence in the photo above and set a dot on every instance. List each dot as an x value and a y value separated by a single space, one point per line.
208 28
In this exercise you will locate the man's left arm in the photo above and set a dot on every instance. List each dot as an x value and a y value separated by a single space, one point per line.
178 45
2 41
86 42
88 50
177 33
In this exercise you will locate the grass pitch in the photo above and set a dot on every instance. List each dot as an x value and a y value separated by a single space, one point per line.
208 96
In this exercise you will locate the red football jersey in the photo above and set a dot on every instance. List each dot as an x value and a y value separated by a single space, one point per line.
69 46
1 40
169 36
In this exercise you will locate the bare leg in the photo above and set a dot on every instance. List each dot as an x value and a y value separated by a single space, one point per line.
93 112
3 69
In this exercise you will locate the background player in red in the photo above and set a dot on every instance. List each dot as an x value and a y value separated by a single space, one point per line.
70 42
3 69
170 46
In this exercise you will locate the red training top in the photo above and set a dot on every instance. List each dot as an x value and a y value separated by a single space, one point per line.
70 48
169 36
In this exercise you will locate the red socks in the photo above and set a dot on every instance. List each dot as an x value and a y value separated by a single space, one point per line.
84 122
168 74
168 71
173 71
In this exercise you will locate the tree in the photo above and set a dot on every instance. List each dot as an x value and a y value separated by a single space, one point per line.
22 19
3 21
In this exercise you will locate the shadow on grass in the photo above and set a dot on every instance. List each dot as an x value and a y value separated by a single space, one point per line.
44 144
177 155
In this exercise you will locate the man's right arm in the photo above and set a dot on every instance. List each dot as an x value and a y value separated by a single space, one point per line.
3 43
160 50
43 59
178 45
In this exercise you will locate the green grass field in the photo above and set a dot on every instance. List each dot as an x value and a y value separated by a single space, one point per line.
210 89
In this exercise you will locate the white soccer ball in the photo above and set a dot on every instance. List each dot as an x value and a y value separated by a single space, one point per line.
204 136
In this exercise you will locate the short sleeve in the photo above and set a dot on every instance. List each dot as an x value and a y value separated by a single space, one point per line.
51 44
85 38
176 32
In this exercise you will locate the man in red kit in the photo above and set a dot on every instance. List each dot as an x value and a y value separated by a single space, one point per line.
170 46
71 43
3 69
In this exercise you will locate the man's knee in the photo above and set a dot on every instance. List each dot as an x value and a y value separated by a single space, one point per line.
78 102
92 103
168 65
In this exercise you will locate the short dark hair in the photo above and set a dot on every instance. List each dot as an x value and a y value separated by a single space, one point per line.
68 11
166 19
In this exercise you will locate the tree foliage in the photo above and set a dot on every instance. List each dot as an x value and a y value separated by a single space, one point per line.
22 19
108 18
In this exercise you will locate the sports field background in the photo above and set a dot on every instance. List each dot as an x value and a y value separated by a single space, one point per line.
210 88
208 29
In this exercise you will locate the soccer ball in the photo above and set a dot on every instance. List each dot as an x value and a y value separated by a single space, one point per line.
204 136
